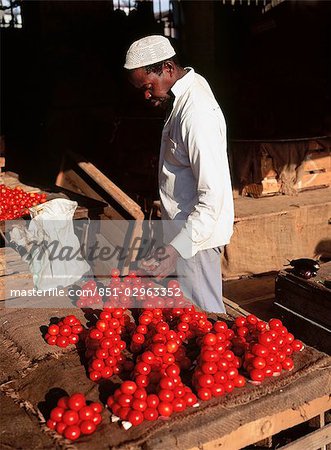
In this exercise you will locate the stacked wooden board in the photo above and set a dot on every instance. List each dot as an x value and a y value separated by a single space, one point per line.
255 173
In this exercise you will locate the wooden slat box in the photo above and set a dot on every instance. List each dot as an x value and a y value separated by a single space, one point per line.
307 304
254 173
87 207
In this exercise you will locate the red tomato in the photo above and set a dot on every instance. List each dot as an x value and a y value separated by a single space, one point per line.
125 400
57 414
165 409
72 432
265 338
206 380
86 413
62 341
166 395
257 375
140 394
297 345
275 324
209 368
152 401
179 405
53 330
87 427
63 402
70 417
217 390
51 424
240 322
97 407
167 383
259 363
190 399
96 419
220 327
135 417
151 414
288 364
251 319
239 381
139 405
209 339
204 393
76 401
60 427
128 387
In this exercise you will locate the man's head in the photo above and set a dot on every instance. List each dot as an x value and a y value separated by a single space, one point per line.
153 68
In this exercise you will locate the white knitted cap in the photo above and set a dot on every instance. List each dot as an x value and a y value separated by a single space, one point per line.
148 50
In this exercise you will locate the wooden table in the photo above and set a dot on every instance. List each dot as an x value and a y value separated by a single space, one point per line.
221 423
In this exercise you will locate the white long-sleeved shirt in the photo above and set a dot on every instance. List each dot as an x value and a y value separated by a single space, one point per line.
194 178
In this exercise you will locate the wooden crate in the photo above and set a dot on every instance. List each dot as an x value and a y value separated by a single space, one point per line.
82 177
87 208
316 170
305 305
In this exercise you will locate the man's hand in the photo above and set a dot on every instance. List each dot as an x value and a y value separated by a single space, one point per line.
162 263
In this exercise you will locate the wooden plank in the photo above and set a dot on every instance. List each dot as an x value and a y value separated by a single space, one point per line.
70 180
315 178
76 173
312 441
114 191
234 308
260 298
317 160
259 429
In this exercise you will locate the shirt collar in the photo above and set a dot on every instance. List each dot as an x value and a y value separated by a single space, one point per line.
183 83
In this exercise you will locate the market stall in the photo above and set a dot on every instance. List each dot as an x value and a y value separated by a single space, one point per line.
35 375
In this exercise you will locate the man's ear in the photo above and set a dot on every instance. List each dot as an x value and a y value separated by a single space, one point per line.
169 67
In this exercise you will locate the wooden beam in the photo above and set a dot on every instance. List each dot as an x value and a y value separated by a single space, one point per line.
114 191
232 306
252 432
311 441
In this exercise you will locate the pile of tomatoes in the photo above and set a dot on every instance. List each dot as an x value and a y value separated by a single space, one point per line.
266 348
14 203
73 417
104 345
65 332
172 357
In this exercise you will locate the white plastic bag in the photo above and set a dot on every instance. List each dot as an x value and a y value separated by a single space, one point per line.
52 249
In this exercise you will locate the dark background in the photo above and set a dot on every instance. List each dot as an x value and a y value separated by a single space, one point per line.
63 86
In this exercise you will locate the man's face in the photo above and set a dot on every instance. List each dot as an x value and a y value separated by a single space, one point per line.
154 87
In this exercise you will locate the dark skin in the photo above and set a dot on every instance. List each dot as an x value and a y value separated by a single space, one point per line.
156 90
155 87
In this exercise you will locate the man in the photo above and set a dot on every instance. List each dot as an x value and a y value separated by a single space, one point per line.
194 180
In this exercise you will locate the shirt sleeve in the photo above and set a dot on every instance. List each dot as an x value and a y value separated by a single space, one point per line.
204 137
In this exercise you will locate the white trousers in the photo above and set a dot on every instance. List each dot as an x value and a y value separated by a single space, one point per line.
200 279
